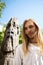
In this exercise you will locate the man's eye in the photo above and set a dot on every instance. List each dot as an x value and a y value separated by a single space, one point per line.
31 26
25 28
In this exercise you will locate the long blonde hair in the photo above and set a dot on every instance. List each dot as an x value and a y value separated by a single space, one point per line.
25 39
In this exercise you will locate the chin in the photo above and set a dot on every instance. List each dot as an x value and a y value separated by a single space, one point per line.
31 36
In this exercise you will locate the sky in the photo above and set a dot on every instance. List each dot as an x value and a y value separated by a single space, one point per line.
23 9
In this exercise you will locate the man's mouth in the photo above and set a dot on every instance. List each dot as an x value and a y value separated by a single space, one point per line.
30 33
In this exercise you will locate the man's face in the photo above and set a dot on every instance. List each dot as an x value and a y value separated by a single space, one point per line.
12 29
11 35
30 29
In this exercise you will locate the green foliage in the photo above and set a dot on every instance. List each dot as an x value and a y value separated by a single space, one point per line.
2 6
1 37
20 39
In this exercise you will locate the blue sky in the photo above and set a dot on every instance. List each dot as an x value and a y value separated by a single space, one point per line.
23 9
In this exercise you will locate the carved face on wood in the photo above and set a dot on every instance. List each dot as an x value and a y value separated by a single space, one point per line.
11 34
12 27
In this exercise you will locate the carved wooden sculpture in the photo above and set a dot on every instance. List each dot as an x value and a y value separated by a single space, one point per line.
10 42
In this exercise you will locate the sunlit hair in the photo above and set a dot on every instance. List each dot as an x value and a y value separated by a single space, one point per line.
25 39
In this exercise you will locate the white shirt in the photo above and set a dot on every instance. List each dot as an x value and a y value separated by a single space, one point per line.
32 58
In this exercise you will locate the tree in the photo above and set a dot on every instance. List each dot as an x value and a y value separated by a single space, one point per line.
2 6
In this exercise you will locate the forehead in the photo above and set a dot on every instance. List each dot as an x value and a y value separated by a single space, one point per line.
29 23
15 20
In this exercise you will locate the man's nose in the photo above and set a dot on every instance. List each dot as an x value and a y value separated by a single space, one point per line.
28 29
11 31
